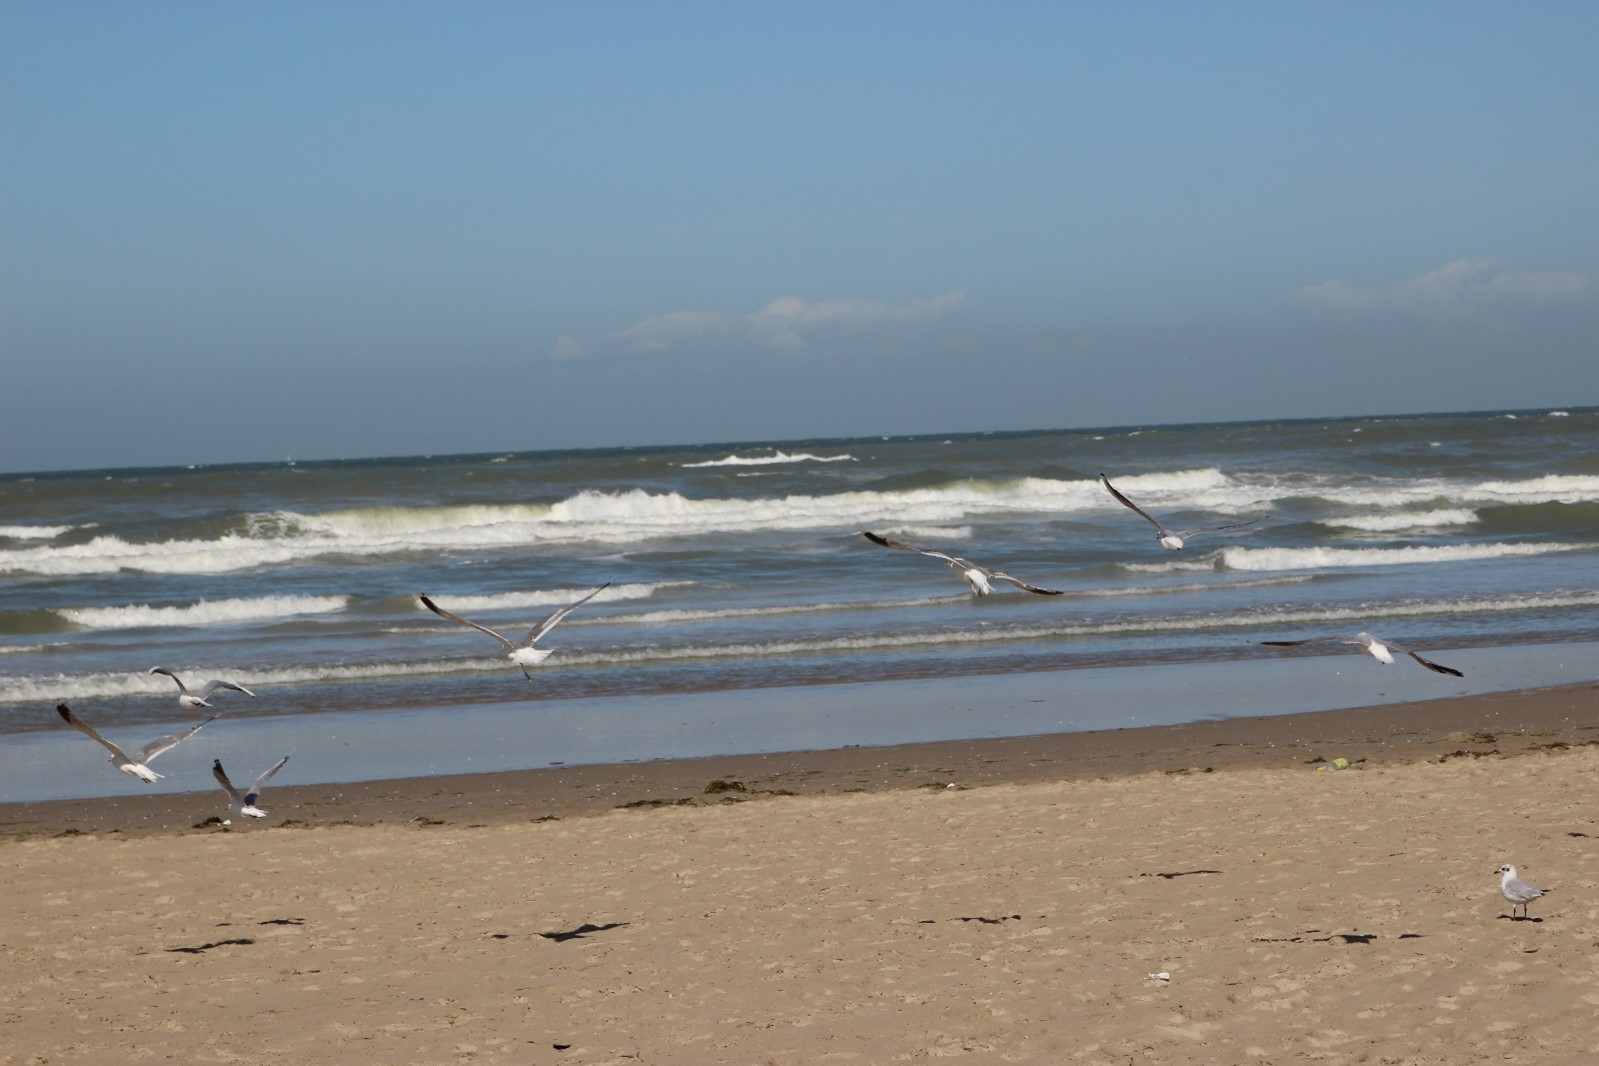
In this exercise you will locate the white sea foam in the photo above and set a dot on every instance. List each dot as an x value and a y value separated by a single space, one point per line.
87 686
111 554
1174 566
41 690
637 516
203 613
33 532
718 614
1334 558
776 457
1394 493
1394 521
1263 620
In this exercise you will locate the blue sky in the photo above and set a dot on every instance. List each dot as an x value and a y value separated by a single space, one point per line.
237 232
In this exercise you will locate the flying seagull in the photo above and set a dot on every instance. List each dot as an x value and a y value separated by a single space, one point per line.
979 577
522 653
1381 650
244 802
137 764
193 701
1517 891
1170 539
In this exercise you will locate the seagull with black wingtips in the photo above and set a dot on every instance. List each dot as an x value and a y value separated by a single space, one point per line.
1172 540
980 578
521 652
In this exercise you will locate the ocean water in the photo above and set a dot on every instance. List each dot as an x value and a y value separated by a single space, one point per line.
741 566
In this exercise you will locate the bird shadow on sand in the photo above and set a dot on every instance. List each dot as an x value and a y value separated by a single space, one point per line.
202 948
1180 873
1522 918
1343 938
562 936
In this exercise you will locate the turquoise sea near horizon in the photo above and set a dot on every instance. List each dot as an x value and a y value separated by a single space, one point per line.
739 568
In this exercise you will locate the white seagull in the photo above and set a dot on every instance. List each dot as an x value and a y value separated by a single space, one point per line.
1381 650
193 701
1169 539
137 764
978 577
1517 891
244 802
522 653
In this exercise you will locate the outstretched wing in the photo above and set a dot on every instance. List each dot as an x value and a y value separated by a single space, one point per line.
167 743
442 613
1000 575
222 779
1186 533
889 542
1125 502
88 730
1437 668
555 618
1312 640
173 676
212 686
255 788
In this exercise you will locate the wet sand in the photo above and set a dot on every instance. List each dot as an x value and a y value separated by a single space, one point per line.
995 900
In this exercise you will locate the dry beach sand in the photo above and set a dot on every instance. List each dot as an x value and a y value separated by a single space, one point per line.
990 901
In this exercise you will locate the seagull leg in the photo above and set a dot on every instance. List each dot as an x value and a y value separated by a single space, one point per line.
527 675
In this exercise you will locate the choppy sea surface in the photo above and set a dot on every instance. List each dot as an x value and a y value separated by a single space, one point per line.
736 567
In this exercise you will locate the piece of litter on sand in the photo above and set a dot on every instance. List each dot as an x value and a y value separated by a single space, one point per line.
1162 976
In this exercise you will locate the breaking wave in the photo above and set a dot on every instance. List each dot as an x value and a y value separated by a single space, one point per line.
776 457
637 516
1335 558
44 689
1401 521
203 613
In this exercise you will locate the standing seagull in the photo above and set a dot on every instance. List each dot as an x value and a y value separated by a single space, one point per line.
976 576
1170 540
244 802
1381 650
1517 891
135 765
193 701
523 654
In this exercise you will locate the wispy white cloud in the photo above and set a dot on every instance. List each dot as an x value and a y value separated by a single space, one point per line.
1461 290
787 324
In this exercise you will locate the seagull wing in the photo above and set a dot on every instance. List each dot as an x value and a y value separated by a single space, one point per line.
1125 502
222 779
1520 890
1186 533
212 686
555 617
1437 668
174 677
442 613
85 728
889 542
1313 640
255 788
167 743
1000 575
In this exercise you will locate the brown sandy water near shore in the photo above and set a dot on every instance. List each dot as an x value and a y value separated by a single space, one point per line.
889 909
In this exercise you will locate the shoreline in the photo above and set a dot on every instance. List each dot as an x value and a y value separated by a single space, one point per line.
1069 898
1498 724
